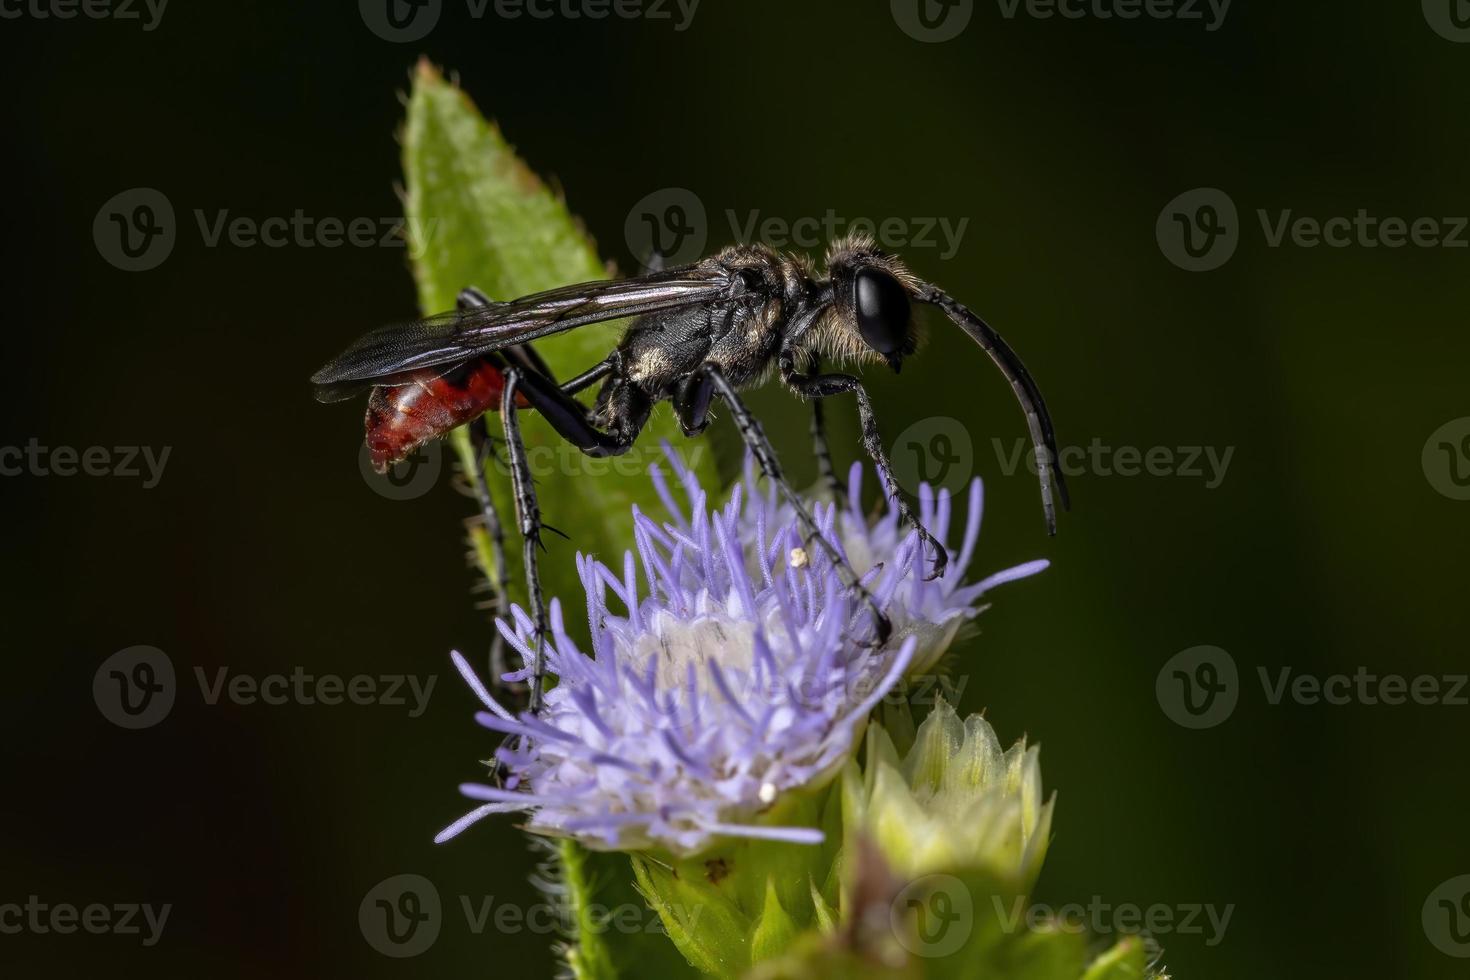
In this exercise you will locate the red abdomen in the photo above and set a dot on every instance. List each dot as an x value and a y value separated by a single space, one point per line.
402 417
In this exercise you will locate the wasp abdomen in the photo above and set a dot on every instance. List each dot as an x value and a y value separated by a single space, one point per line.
427 404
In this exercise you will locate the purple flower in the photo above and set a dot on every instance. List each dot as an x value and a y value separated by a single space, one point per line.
740 673
933 612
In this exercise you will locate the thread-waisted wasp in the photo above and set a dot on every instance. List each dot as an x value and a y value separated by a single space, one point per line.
711 328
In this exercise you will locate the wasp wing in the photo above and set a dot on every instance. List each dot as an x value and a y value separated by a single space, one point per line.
452 337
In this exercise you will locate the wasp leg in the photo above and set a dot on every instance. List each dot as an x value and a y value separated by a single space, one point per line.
570 418
760 446
826 472
496 575
528 515
826 385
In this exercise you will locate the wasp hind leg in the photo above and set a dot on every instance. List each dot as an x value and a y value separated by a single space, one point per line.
570 420
492 561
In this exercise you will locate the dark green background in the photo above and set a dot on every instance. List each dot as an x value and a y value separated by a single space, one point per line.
1325 549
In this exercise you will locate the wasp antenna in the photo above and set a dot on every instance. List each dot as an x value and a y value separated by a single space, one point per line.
1038 420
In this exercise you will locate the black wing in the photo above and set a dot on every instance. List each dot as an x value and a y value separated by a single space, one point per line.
452 337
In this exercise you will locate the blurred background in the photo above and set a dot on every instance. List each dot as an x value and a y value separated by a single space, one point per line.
1123 199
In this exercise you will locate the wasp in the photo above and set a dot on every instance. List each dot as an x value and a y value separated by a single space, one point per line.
700 331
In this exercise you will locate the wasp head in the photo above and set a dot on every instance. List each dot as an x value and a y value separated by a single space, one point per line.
872 313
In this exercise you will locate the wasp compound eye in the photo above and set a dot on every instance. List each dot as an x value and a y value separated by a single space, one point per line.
882 308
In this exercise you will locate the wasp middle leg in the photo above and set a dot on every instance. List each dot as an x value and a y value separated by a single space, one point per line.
495 574
697 393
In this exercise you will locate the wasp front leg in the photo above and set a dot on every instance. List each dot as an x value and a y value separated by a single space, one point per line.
826 472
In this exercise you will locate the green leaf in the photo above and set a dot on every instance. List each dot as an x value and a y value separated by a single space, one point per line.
480 217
